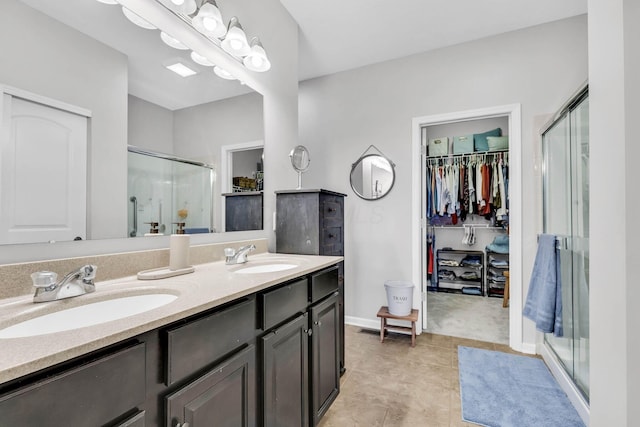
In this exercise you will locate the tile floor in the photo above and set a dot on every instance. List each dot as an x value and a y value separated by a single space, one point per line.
390 384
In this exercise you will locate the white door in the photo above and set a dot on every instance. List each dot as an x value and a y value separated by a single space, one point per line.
43 173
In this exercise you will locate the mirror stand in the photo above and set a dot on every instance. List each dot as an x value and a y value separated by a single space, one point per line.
300 161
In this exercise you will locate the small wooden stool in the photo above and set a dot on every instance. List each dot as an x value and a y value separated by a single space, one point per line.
384 314
505 296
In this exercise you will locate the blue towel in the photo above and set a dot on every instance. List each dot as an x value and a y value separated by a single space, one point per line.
544 299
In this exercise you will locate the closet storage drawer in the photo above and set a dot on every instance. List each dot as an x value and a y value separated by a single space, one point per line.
92 394
214 336
282 303
323 283
463 144
439 147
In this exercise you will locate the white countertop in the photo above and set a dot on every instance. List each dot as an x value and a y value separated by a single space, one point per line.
209 286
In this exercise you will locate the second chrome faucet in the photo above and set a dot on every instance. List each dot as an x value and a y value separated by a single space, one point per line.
238 256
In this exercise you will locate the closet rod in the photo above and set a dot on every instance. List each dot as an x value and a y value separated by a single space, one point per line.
474 154
489 227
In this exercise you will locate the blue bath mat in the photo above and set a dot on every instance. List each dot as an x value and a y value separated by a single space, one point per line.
506 390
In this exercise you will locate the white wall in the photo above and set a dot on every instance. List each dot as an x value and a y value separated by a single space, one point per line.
42 57
150 126
342 114
614 97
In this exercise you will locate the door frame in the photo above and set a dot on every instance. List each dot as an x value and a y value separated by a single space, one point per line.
418 247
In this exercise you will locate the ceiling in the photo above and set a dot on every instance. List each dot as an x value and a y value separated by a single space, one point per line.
338 35
334 35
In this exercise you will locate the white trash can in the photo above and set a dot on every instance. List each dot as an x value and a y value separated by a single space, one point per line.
399 297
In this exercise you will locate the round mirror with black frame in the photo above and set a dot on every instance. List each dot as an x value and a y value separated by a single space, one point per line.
300 161
372 176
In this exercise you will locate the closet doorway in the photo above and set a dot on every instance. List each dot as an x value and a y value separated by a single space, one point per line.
464 287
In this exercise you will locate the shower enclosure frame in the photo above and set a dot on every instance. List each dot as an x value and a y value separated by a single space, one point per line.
572 243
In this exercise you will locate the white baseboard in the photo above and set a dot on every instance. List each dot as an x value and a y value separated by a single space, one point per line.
527 348
372 324
565 383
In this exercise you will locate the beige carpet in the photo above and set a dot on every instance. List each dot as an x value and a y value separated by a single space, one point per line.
468 316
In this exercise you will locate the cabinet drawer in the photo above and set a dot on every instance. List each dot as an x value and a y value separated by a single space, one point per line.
332 215
213 336
92 394
135 421
283 302
331 235
323 283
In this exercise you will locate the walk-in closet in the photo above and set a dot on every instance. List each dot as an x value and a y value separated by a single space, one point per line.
465 229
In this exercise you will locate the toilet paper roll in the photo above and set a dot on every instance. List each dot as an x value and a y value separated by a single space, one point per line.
179 252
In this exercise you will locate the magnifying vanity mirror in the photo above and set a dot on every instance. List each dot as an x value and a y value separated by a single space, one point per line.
372 175
300 161
97 60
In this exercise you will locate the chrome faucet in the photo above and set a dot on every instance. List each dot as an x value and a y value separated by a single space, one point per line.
77 282
238 256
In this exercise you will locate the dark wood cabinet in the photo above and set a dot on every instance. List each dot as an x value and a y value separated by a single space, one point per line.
285 373
269 358
225 396
243 211
94 393
325 355
311 222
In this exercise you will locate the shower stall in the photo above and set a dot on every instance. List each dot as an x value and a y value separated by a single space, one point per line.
164 190
565 147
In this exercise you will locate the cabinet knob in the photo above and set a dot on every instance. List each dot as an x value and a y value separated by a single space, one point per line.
318 323
309 331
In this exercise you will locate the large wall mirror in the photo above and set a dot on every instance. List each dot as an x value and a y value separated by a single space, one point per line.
87 54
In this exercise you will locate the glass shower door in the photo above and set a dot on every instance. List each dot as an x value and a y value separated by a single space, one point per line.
566 214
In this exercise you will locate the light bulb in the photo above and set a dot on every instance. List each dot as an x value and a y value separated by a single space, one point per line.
209 23
235 44
257 61
177 2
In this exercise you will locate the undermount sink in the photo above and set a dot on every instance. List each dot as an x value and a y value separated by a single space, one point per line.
87 315
265 268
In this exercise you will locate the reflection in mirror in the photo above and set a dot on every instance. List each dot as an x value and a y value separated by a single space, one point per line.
372 176
300 161
167 190
97 60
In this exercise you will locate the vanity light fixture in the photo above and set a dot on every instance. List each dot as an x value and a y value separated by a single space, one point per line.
222 73
205 17
200 59
136 19
208 20
181 69
186 7
172 41
257 59
235 42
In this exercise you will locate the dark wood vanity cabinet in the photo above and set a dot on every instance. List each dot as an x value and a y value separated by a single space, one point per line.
285 374
325 355
224 396
267 359
243 211
97 391
300 357
311 222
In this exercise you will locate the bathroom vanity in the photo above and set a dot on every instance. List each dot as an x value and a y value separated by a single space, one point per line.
236 348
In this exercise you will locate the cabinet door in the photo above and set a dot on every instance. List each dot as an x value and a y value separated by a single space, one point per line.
285 375
224 396
325 355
